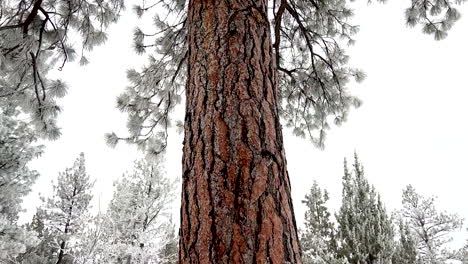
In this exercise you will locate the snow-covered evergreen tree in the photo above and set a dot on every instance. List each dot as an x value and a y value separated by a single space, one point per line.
137 219
318 240
43 252
35 35
406 251
92 241
17 149
365 230
66 213
463 254
168 254
431 227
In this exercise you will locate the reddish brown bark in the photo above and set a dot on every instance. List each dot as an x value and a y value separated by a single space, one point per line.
236 202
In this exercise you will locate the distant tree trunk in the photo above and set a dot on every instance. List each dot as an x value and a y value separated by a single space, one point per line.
236 202
61 252
67 226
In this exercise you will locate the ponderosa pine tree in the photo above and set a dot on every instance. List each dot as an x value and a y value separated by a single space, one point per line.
136 225
432 228
318 240
365 230
17 149
66 212
244 65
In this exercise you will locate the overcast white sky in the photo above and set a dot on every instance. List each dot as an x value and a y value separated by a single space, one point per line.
411 129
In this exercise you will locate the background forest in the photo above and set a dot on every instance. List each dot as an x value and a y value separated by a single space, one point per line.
125 208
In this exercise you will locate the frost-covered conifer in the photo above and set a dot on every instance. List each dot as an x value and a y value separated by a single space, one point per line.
463 254
406 251
318 240
38 35
365 230
93 241
66 213
43 252
168 254
17 149
431 227
137 227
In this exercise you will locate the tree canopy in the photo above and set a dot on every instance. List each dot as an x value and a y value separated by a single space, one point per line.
17 148
309 40
35 37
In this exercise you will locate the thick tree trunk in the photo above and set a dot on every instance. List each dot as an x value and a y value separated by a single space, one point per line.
236 202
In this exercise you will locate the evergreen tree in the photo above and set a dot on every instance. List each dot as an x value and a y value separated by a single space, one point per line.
406 251
243 66
92 241
35 35
432 228
17 149
66 213
242 70
136 226
463 254
365 230
318 240
43 252
168 254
